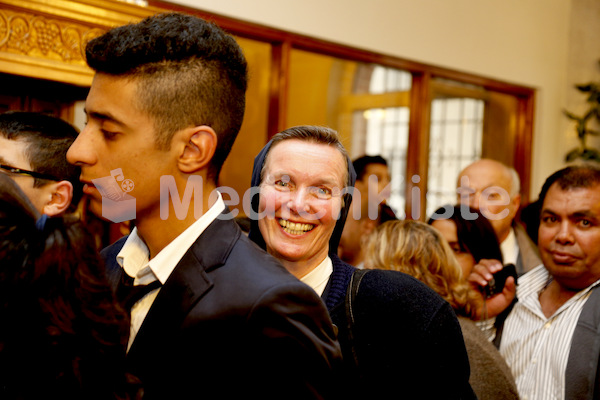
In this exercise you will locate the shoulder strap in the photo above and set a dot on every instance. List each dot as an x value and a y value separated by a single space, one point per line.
351 293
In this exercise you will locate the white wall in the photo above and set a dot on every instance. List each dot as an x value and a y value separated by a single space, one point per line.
519 41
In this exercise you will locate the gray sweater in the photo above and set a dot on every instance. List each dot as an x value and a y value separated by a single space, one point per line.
490 378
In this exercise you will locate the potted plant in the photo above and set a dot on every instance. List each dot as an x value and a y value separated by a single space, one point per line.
582 123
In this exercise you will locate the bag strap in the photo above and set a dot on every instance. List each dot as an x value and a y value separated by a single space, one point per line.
351 293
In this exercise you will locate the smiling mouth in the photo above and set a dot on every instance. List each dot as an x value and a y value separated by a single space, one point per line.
295 228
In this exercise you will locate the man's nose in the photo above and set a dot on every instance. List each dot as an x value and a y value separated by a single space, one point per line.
82 150
565 234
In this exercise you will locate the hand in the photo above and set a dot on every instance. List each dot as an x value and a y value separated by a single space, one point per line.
480 277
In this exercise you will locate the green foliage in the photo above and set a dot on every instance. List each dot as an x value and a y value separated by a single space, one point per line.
582 122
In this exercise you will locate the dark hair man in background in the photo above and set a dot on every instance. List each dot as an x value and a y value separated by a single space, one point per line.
33 148
375 167
375 193
550 335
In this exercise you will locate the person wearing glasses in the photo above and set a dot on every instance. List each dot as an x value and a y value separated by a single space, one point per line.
33 148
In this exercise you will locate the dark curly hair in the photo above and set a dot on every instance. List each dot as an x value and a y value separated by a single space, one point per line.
62 334
189 73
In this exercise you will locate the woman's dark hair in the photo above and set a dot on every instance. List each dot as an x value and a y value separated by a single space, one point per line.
474 231
62 335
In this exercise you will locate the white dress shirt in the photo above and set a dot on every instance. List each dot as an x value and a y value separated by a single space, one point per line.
134 259
535 347
318 277
510 248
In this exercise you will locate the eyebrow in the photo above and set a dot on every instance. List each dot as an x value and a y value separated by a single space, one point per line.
576 214
320 181
584 214
103 117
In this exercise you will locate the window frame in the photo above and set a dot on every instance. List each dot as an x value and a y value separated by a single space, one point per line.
423 76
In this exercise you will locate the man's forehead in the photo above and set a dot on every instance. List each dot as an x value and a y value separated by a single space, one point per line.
376 169
580 198
482 178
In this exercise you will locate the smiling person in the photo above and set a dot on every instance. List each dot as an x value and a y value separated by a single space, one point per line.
395 332
33 148
551 335
221 319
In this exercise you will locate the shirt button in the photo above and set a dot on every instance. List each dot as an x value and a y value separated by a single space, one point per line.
547 325
533 361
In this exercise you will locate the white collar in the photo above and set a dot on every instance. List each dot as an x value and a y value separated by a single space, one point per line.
510 248
134 256
318 277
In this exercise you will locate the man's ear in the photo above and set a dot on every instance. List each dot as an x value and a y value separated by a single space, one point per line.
515 203
60 198
198 148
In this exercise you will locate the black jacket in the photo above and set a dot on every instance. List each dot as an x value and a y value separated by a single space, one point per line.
231 322
407 339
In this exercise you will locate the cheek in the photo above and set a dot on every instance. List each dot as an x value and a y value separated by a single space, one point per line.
589 245
269 201
331 214
545 236
467 262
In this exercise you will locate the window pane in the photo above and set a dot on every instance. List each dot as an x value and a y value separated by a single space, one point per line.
366 103
455 140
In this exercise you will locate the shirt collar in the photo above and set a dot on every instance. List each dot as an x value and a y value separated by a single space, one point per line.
533 282
510 248
134 256
318 277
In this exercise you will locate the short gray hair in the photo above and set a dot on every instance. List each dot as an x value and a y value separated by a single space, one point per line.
314 134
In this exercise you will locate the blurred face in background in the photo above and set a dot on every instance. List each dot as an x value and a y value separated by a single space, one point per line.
486 185
447 229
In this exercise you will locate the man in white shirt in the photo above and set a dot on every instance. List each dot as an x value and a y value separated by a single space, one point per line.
222 318
550 337
493 188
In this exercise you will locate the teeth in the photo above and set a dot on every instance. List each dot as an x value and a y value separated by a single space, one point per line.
295 228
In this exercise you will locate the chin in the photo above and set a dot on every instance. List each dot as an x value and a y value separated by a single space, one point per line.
95 207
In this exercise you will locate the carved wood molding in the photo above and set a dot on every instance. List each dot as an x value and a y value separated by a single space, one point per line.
46 38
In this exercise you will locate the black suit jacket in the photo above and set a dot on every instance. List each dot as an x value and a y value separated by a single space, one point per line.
231 322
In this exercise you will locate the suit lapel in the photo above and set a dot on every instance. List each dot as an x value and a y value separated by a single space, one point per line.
186 285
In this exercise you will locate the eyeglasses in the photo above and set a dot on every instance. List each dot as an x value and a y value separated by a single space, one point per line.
34 174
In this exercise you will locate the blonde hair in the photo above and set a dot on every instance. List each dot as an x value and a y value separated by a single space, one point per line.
417 249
